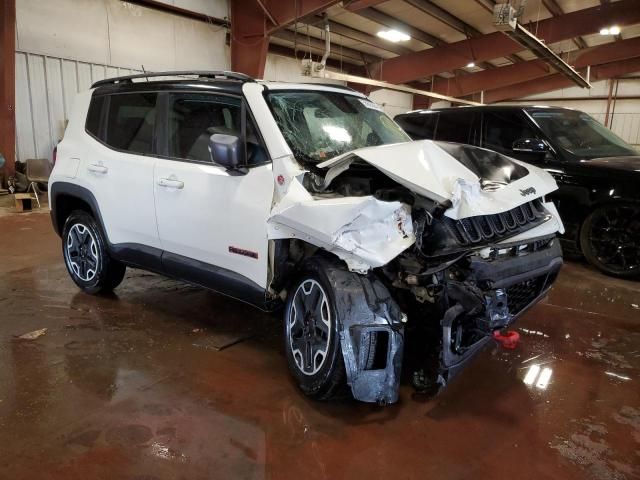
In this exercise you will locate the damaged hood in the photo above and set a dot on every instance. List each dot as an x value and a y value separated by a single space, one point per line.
476 181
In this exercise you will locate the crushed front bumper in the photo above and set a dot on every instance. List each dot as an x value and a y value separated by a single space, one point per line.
518 278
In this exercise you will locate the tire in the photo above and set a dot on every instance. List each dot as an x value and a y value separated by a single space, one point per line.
320 374
84 249
610 239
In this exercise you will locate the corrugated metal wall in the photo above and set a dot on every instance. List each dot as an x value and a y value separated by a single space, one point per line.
45 89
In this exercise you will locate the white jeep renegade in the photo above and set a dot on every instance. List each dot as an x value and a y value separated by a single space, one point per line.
306 196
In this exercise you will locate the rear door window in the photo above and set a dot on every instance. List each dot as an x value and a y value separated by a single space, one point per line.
131 122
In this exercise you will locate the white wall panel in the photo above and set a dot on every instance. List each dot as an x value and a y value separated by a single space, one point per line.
64 28
213 8
287 69
69 84
141 36
39 105
25 145
113 32
84 76
393 102
45 91
55 99
200 46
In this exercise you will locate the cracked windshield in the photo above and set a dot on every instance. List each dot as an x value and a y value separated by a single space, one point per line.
321 125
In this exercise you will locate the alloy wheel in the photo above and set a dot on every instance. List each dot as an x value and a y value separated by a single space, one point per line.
82 252
615 238
309 327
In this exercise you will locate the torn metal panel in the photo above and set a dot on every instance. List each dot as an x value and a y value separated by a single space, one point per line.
460 174
366 308
363 231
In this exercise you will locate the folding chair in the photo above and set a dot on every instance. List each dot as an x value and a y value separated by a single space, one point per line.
38 171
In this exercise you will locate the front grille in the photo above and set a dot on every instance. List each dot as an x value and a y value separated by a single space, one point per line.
522 294
491 228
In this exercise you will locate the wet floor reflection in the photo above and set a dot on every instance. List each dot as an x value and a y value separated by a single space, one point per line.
165 380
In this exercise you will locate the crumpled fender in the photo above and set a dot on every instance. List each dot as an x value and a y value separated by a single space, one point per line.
363 231
365 307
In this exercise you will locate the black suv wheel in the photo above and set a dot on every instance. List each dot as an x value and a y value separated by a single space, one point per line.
610 239
86 257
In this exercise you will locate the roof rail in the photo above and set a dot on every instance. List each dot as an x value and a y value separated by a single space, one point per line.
199 73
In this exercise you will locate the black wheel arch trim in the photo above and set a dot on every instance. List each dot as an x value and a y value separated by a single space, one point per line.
59 189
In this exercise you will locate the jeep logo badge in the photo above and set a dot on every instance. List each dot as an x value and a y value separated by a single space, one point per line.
527 191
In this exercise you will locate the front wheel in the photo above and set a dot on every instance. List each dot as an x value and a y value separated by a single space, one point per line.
610 239
86 257
312 334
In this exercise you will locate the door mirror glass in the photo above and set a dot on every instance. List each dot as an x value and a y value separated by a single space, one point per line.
530 145
225 150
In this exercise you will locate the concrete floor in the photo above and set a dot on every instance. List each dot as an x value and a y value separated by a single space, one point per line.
163 380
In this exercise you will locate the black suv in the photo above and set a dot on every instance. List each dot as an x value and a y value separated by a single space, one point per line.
597 172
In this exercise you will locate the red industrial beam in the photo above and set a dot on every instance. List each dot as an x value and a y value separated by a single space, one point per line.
512 74
456 55
558 81
252 21
356 5
8 85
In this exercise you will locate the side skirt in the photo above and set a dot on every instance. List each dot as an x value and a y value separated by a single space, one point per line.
192 271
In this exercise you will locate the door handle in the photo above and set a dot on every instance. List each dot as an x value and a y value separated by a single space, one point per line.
97 168
171 183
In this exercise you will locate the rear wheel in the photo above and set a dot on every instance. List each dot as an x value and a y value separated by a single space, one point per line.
610 239
86 256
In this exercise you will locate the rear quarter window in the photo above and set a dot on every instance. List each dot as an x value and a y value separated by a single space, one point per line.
94 116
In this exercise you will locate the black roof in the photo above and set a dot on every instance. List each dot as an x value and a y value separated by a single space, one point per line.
484 108
222 81
229 82
223 86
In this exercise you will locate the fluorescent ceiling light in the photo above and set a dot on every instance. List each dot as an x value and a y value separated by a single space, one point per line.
393 35
471 64
613 30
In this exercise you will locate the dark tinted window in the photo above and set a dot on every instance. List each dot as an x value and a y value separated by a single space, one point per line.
419 126
455 127
194 117
94 115
503 128
131 122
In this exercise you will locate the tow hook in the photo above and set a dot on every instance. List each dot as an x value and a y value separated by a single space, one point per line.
509 340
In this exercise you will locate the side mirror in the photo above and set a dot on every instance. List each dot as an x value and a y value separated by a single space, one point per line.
225 150
530 145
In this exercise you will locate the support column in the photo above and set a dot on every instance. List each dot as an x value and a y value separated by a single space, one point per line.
8 85
249 39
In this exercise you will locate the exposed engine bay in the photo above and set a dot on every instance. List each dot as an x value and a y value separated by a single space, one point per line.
455 278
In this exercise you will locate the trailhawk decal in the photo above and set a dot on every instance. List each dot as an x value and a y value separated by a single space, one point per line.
243 252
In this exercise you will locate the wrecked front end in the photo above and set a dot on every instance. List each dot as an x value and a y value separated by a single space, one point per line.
449 250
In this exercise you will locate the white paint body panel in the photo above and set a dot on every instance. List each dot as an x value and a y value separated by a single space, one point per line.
213 211
121 183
